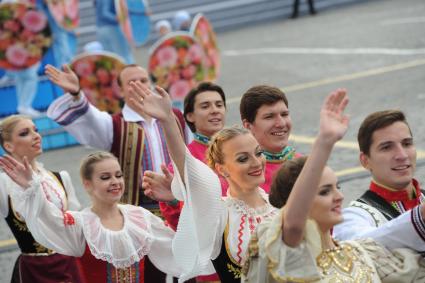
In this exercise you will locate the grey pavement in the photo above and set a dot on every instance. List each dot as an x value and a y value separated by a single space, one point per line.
375 49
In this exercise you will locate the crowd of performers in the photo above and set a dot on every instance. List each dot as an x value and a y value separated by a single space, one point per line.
236 204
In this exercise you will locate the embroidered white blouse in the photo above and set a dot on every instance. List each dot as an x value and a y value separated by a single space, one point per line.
210 213
62 199
143 234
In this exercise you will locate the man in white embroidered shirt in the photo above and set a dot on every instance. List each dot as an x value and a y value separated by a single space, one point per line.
392 205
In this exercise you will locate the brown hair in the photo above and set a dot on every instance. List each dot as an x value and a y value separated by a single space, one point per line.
257 96
189 100
87 164
7 126
284 181
215 149
374 122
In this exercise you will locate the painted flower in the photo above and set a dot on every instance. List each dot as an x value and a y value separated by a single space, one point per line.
34 51
4 43
195 54
189 72
12 25
179 90
34 21
173 76
107 92
17 55
103 76
167 56
27 35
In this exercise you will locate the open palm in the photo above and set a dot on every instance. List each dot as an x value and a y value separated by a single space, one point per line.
158 186
65 79
144 100
20 173
333 121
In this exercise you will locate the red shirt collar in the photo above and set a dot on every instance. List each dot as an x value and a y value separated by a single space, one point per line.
390 195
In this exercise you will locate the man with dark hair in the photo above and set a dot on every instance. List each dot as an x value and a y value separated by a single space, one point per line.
392 201
136 140
190 101
264 111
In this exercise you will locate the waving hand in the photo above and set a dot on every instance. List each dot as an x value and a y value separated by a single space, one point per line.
65 79
20 173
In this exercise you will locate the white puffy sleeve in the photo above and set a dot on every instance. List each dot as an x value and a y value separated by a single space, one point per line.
271 260
73 203
86 123
404 231
203 217
61 232
161 254
4 203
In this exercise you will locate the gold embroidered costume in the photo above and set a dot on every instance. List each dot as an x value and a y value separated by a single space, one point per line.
270 260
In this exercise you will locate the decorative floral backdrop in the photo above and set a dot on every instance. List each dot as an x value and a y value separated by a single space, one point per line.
24 36
176 64
98 74
203 32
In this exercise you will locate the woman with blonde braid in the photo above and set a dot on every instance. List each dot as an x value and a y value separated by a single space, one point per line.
219 228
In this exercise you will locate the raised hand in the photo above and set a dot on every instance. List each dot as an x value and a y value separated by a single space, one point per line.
65 79
333 121
143 100
20 173
157 186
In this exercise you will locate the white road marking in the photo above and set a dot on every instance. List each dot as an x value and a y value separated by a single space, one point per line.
324 51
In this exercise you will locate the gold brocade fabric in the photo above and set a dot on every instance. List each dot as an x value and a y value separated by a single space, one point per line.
343 264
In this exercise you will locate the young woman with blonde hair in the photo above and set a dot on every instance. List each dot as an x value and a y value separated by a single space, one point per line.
20 139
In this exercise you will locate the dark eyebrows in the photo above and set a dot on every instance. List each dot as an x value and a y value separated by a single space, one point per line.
388 143
385 143
326 186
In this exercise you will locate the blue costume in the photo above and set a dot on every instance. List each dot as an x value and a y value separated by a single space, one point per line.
109 32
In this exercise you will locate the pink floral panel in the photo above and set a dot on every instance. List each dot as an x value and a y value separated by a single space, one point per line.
203 32
98 73
25 36
176 63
